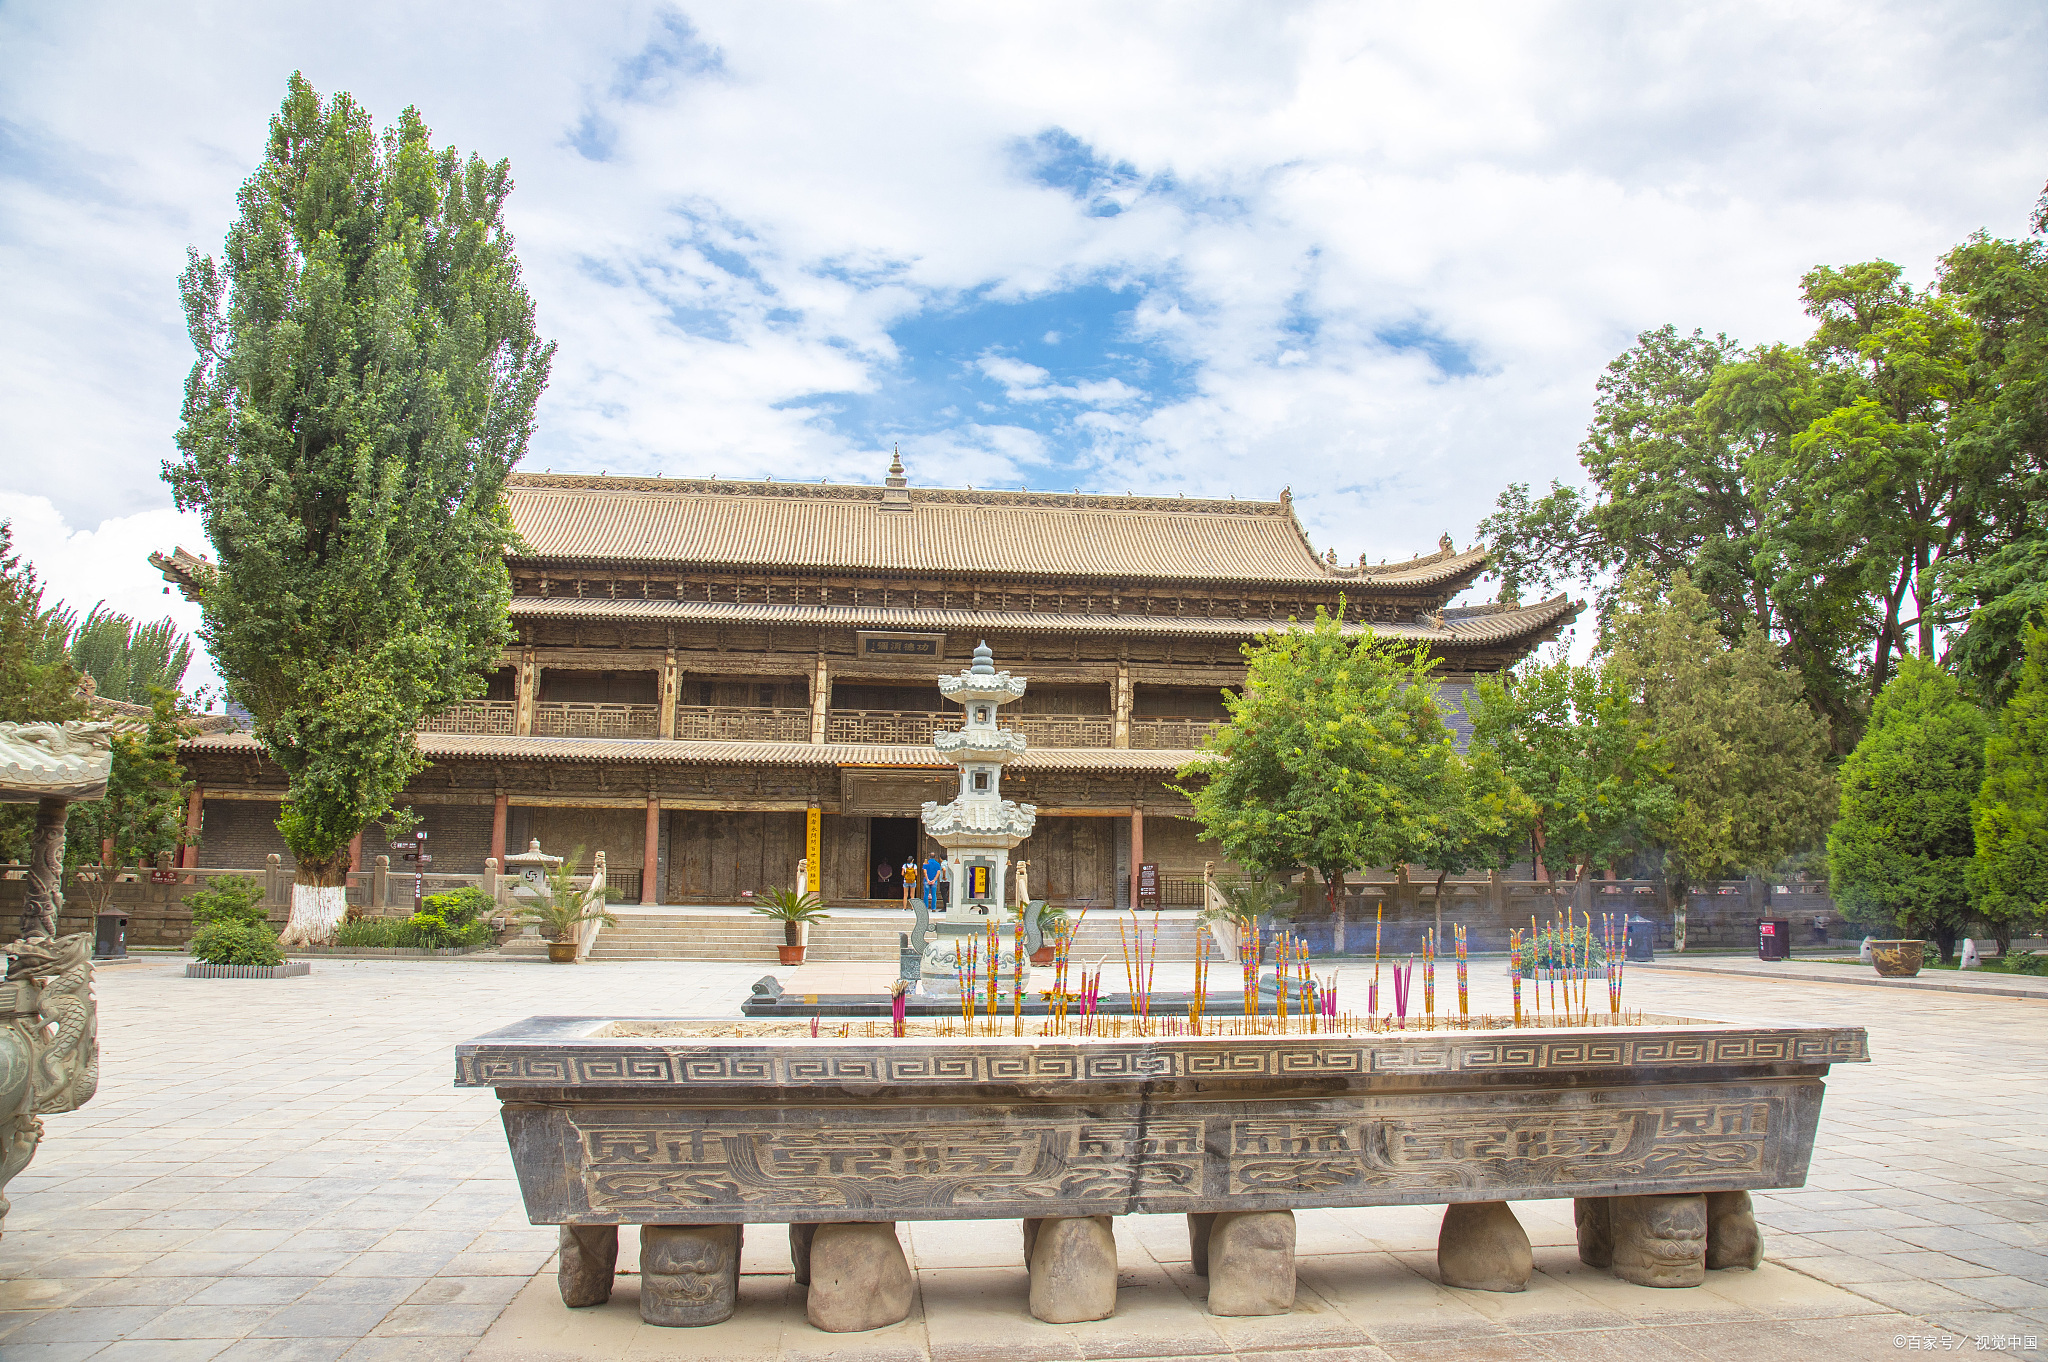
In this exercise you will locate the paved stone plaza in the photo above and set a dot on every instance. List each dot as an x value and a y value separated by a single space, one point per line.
282 1169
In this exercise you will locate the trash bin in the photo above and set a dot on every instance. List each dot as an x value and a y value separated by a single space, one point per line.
110 936
1774 938
1642 939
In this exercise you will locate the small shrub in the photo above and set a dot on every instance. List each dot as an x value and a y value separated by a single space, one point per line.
236 943
461 907
228 898
2029 963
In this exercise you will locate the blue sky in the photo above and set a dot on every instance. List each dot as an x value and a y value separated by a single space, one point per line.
1376 253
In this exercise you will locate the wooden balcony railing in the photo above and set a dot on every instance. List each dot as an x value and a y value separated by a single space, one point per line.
565 719
474 716
736 723
896 727
1154 734
1063 730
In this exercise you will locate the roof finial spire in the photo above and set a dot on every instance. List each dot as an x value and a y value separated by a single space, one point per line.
895 488
984 660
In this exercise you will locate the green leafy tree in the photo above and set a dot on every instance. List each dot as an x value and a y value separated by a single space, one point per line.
143 812
2009 817
366 378
125 660
1484 823
1886 465
1682 463
1568 738
1335 757
1900 851
2000 587
1746 757
34 685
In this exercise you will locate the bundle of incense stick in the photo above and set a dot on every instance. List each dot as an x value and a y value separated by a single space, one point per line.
1310 1005
965 966
1617 963
1402 974
1458 930
1429 973
1515 969
1017 976
1280 979
1201 995
897 999
1248 961
1372 998
994 967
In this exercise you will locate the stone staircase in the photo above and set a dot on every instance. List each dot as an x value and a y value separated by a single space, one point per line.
743 936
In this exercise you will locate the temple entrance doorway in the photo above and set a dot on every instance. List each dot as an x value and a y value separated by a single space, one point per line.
891 842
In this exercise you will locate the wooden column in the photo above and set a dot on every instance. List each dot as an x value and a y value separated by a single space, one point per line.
1120 727
195 804
670 682
821 700
355 853
499 813
650 864
1137 851
529 686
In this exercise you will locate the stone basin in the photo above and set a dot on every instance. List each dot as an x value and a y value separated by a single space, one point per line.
611 1122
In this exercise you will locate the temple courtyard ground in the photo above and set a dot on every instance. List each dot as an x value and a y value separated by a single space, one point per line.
283 1170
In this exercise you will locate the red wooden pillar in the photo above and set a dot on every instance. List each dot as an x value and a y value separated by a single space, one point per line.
188 854
498 830
1137 852
355 854
650 862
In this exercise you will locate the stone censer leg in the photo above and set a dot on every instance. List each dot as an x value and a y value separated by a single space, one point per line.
689 1274
1199 1226
1251 1263
589 1259
1733 1240
1482 1247
1073 1269
1660 1240
859 1278
1594 1218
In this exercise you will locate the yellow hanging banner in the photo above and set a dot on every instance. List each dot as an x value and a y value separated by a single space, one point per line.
814 842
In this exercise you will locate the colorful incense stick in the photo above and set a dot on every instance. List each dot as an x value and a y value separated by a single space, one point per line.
1459 930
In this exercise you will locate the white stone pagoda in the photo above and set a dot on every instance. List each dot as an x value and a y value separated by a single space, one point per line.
980 828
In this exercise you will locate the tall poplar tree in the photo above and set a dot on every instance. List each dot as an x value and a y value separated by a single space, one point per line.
367 372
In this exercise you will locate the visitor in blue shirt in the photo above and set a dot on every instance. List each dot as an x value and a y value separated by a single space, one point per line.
934 872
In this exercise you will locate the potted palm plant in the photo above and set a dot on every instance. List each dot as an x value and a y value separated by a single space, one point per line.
559 906
795 912
1051 921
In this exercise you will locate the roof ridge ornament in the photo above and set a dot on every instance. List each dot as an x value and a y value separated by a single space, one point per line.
895 488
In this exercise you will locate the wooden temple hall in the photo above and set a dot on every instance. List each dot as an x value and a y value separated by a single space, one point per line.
702 663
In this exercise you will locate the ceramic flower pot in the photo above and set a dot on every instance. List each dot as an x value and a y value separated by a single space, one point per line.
1898 959
791 955
1043 955
562 952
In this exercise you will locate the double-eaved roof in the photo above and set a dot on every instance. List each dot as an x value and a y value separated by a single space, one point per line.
781 526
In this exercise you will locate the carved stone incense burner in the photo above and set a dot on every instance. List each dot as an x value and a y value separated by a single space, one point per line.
612 1122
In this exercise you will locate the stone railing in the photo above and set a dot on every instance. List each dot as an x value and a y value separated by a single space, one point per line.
475 716
735 723
567 719
893 727
1177 734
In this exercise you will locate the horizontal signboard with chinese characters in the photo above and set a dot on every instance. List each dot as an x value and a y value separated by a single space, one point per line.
901 645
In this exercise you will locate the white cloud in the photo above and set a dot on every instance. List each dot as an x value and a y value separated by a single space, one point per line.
81 567
1515 189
